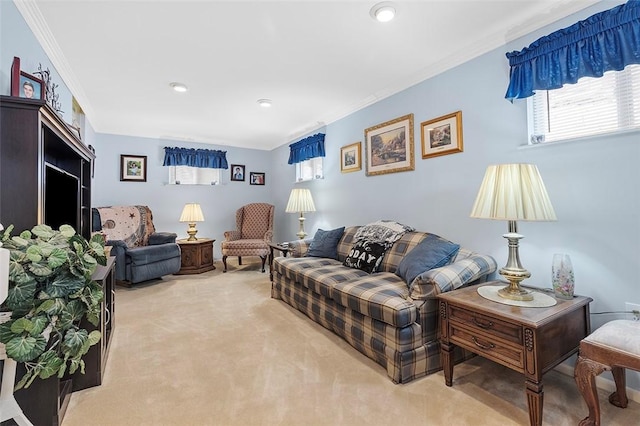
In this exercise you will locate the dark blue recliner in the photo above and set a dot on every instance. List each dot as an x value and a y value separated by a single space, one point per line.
141 253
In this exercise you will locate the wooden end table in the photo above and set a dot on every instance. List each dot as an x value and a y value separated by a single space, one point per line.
530 341
272 247
196 256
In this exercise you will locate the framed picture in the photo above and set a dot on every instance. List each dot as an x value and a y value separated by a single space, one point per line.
389 146
256 178
237 172
442 135
133 168
351 158
25 85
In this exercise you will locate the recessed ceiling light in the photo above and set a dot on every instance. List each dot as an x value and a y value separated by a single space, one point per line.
265 103
383 12
178 87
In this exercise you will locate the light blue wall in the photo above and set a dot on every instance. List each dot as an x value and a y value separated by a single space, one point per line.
593 184
219 203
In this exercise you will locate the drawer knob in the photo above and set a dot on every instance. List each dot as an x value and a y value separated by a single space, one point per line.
485 346
482 324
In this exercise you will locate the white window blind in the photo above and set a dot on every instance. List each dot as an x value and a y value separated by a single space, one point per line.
593 106
309 169
186 175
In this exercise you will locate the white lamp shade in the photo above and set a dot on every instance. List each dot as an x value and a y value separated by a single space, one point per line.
513 192
300 201
192 213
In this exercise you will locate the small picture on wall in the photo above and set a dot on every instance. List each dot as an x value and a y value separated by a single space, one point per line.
133 168
442 135
350 158
237 172
256 178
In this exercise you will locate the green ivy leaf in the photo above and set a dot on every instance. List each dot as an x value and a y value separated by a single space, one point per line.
72 314
63 285
25 348
39 324
21 295
5 332
40 270
50 363
22 325
75 364
43 231
34 253
20 241
74 340
67 231
57 258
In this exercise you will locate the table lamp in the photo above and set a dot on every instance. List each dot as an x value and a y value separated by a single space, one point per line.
192 213
300 201
513 192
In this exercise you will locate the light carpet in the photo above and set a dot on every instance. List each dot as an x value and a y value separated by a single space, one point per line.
215 349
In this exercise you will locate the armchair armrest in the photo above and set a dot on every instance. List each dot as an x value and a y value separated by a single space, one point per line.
476 267
299 248
162 238
118 250
232 235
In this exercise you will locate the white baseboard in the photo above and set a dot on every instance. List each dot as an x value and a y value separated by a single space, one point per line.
601 382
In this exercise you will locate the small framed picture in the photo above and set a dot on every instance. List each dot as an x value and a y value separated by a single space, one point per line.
442 135
25 85
133 168
351 158
237 172
256 178
389 146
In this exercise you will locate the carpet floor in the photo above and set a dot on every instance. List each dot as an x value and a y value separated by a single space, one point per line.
215 349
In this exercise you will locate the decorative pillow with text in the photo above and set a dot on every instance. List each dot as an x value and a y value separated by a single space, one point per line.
366 256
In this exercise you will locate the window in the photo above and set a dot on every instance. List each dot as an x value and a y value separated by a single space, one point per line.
309 169
187 175
593 106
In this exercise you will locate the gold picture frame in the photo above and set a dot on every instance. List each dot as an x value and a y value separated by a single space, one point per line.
389 146
351 158
442 135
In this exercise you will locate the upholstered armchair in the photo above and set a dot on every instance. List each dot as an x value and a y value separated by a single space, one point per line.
141 253
254 232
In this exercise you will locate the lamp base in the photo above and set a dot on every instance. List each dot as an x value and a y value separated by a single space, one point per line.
192 231
301 234
515 292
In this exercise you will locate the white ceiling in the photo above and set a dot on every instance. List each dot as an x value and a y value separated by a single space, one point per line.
317 60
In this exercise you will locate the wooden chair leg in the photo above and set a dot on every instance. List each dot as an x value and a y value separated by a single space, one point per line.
585 374
264 259
619 397
239 260
224 262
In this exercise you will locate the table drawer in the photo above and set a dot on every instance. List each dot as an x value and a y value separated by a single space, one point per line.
487 347
494 326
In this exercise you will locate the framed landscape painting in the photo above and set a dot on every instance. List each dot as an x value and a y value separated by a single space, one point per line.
351 158
389 146
442 135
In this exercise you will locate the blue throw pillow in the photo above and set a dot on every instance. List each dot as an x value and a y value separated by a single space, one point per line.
325 243
432 252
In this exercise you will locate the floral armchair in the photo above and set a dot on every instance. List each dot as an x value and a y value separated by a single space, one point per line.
254 232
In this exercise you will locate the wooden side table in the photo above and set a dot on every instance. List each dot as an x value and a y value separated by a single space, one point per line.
196 257
272 247
529 340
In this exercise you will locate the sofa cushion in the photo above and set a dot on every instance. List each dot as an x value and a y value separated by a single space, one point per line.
382 296
151 254
432 252
366 256
325 243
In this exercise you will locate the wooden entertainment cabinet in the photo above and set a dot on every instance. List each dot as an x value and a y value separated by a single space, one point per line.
45 176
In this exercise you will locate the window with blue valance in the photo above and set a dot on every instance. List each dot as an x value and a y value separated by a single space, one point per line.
208 158
606 41
307 148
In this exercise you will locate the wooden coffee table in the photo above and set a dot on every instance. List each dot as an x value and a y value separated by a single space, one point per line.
529 340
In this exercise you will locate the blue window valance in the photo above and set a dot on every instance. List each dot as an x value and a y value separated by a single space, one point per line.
307 148
606 41
208 158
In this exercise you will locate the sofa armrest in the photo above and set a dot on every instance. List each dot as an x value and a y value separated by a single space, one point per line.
162 238
232 235
299 248
450 277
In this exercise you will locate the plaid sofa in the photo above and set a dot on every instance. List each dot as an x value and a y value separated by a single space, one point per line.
378 314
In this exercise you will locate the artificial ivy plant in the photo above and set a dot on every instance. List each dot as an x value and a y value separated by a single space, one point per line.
50 293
